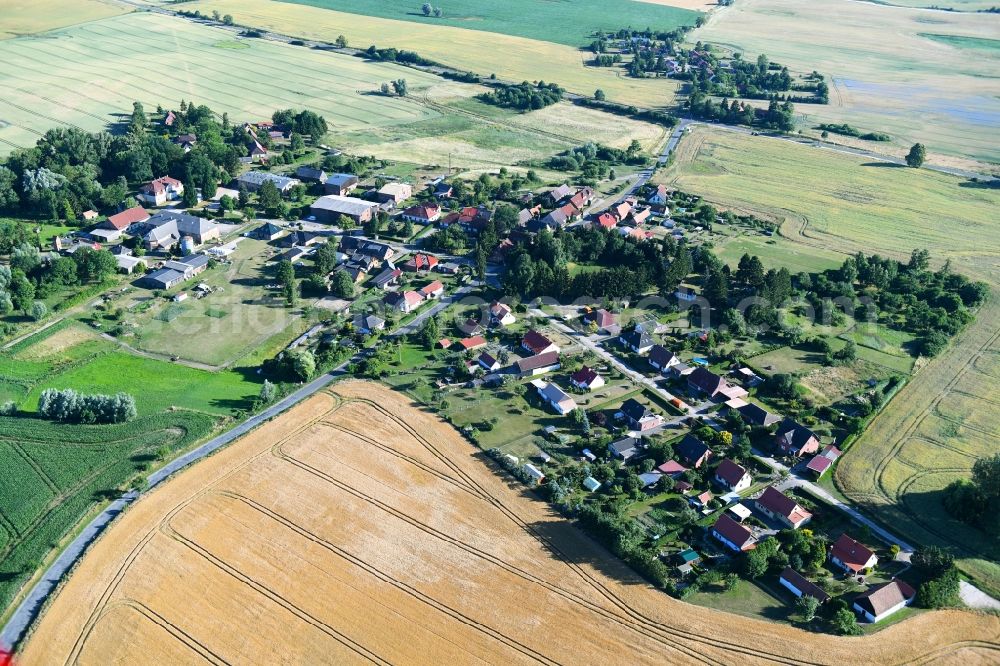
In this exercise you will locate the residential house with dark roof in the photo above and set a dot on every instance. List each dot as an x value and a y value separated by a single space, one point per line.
755 415
488 362
536 343
625 448
793 439
387 278
311 173
557 194
267 232
638 416
357 245
881 601
538 364
733 535
168 227
638 340
662 358
851 555
800 586
693 451
368 324
775 504
501 314
731 476
586 379
328 209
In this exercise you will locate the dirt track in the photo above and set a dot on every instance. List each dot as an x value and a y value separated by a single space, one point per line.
359 528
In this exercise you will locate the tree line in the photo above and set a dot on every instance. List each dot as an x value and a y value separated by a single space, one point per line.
68 406
524 96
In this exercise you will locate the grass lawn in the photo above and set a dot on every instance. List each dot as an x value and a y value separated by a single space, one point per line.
224 326
156 385
747 599
775 251
101 69
509 17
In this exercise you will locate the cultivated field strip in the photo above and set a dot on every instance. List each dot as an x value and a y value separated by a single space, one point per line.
359 529
88 76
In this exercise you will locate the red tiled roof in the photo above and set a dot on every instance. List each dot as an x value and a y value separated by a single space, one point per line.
584 376
123 219
672 467
473 342
607 220
430 288
853 554
535 341
776 501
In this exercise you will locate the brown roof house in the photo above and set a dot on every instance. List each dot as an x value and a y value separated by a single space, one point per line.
603 320
587 379
731 476
798 585
733 536
123 220
756 415
782 508
795 440
693 451
881 601
536 343
538 364
852 556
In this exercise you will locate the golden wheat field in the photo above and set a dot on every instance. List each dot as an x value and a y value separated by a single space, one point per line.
358 528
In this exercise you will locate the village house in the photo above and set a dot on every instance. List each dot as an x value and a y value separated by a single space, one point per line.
394 193
253 180
406 301
369 324
536 343
583 198
755 415
161 190
702 500
125 219
128 263
693 451
586 379
621 211
340 184
639 417
471 218
823 461
420 262
661 358
554 396
881 601
175 272
424 213
311 174
852 556
603 320
605 220
387 278
538 364
501 314
557 194
686 294
731 476
432 290
267 232
713 385
672 468
488 362
357 245
659 195
775 504
798 585
638 340
442 190
329 208
536 475
793 439
625 448
732 535
553 220
473 342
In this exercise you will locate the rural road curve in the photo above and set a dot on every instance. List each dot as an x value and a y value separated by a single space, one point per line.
30 607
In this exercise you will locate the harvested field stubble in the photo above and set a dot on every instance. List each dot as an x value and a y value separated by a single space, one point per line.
359 528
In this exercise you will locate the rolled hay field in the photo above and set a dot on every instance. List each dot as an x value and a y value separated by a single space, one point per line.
359 528
88 75
886 74
507 55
